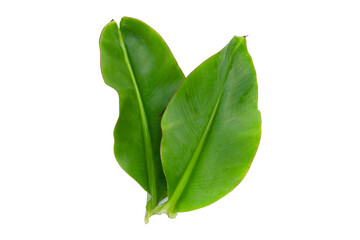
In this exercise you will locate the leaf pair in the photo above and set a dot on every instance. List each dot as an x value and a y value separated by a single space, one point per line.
211 127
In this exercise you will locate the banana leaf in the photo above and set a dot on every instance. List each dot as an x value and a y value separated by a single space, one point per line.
211 130
137 63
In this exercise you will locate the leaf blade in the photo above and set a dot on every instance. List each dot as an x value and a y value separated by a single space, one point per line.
137 133
207 106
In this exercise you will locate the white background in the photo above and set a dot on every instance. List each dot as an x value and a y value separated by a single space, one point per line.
58 175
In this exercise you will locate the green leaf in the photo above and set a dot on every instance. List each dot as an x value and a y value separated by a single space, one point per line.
137 63
211 130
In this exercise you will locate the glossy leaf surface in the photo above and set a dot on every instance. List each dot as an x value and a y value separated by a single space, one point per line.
137 63
211 130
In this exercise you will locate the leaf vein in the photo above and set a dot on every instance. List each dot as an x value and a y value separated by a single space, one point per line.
194 159
146 133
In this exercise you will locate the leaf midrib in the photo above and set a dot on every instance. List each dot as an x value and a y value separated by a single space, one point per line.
146 133
171 204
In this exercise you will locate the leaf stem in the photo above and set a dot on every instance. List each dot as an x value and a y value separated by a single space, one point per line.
170 207
146 133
